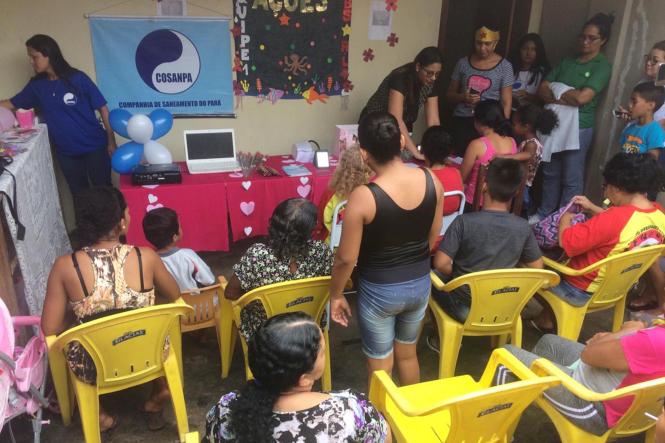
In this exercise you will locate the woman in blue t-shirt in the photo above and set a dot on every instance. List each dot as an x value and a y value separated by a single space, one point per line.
67 100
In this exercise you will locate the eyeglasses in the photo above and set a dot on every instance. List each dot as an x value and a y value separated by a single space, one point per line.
589 38
431 74
652 60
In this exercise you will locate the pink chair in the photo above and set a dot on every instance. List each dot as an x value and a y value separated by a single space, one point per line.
22 371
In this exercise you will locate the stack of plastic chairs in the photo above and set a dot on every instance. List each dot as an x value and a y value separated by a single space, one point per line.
22 372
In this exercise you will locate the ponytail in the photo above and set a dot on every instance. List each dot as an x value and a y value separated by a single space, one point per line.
542 120
252 414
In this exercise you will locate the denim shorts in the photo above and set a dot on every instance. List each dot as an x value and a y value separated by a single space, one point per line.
389 313
571 294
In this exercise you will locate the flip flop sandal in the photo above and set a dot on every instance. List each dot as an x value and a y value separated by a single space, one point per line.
640 305
108 432
154 420
541 329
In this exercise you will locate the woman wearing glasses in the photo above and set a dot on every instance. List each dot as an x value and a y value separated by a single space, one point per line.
484 75
406 89
587 73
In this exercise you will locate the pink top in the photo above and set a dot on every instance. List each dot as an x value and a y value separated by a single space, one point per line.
644 353
490 153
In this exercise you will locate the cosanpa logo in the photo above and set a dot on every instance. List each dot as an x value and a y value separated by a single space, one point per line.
167 61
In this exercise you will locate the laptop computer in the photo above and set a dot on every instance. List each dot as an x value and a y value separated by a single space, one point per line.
210 150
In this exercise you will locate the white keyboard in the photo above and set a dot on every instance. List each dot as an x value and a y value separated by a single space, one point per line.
208 168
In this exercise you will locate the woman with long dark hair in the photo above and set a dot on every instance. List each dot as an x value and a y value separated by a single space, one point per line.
67 100
406 89
287 356
530 66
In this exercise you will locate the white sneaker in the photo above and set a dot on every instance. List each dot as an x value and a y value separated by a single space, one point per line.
535 218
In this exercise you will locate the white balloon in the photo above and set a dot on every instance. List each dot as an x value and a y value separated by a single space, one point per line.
139 128
156 153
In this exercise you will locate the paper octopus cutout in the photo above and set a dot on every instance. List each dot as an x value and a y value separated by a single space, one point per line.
295 64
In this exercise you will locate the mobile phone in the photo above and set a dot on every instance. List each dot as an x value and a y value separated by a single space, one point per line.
474 92
660 77
619 114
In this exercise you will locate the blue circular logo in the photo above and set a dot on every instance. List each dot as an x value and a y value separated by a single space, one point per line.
167 61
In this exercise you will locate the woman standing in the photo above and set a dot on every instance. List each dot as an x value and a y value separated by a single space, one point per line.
67 100
530 67
390 226
406 89
484 75
588 73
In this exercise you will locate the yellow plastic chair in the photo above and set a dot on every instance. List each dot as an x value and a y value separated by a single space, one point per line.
207 311
619 273
497 298
192 437
459 409
647 399
309 295
127 350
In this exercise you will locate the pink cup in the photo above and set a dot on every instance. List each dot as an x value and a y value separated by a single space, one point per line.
25 118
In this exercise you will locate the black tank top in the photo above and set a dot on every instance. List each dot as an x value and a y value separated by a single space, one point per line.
395 245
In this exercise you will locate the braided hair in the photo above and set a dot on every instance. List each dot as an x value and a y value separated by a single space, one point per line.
98 211
279 353
290 228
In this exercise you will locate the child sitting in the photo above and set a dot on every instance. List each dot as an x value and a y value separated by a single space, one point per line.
529 121
644 134
492 238
436 147
162 230
495 139
350 173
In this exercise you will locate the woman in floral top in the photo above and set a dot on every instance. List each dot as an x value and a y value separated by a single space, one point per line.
289 254
287 355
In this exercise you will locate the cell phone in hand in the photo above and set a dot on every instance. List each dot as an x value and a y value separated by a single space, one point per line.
619 114
660 78
473 91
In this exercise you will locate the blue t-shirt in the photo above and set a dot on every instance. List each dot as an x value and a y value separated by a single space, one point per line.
636 139
69 111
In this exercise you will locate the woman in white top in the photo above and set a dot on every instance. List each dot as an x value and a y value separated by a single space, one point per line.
530 66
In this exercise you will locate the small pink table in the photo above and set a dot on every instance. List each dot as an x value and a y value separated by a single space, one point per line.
208 205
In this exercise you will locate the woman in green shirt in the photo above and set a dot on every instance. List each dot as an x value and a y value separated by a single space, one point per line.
588 73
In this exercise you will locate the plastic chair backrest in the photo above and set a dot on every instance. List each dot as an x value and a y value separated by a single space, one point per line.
336 229
517 201
620 272
308 295
205 302
478 194
448 219
498 296
127 346
482 415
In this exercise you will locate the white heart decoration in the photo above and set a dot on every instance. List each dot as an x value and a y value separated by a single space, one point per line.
150 186
235 175
246 185
304 180
303 191
151 207
248 230
247 207
152 198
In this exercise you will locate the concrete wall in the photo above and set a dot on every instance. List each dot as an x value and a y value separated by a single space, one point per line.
271 129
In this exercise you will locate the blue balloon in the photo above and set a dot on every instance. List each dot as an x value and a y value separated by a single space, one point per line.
119 119
126 157
162 122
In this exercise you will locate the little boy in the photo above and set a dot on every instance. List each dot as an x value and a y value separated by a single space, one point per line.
643 134
162 230
492 238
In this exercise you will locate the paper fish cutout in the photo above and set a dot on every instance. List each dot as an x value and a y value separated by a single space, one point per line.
311 96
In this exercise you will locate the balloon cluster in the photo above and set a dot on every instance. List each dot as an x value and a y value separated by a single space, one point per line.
143 130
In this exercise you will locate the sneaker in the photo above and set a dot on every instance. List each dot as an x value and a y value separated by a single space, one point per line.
433 343
535 218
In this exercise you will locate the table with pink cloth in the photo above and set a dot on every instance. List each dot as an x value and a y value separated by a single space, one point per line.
210 206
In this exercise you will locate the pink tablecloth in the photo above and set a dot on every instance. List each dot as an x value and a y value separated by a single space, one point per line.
206 203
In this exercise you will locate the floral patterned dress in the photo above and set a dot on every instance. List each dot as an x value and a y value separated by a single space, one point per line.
109 295
260 267
346 416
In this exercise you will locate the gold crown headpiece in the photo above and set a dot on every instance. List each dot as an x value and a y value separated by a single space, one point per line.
485 34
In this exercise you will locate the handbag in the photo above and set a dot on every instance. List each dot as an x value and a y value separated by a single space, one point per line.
546 231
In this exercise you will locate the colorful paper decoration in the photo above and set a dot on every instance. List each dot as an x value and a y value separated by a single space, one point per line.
291 50
391 5
392 39
368 55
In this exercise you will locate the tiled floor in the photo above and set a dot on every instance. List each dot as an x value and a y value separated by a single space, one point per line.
203 384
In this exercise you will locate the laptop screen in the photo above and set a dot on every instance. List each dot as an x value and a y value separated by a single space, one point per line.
209 145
